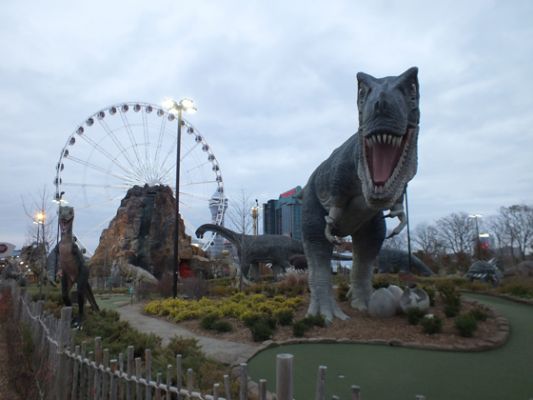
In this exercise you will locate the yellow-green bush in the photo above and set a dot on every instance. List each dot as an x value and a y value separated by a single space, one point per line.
239 306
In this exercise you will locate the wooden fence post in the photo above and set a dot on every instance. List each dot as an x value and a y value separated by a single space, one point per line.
179 373
62 340
190 383
356 392
158 379
284 376
105 375
227 387
138 375
168 382
321 383
148 372
98 358
83 370
243 382
75 375
113 380
129 373
216 388
90 375
262 389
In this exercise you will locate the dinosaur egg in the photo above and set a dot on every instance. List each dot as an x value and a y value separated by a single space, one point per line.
382 304
414 298
397 292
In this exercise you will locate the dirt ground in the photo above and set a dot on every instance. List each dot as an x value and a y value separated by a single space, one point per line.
361 327
6 386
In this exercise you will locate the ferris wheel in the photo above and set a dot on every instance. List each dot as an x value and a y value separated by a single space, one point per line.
130 144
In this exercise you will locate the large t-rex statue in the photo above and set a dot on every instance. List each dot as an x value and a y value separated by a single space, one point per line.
252 250
72 266
348 192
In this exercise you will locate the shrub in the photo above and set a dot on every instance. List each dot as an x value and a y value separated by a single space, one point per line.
466 324
222 326
451 310
284 316
209 321
299 328
414 315
314 320
451 299
250 318
431 324
261 330
342 291
479 313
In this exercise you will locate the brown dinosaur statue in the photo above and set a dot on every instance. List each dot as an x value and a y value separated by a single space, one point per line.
72 265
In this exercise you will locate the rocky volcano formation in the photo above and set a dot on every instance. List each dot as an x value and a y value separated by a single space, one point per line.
142 233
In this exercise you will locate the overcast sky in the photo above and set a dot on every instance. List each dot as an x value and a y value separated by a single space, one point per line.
275 85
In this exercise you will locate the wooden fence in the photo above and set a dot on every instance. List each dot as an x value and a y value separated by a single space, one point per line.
69 372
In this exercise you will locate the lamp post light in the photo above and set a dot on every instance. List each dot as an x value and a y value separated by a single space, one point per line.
475 217
178 108
255 216
39 219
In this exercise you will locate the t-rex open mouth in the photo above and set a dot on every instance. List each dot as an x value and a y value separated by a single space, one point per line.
384 154
65 224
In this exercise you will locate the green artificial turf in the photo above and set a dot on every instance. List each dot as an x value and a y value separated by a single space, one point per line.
394 373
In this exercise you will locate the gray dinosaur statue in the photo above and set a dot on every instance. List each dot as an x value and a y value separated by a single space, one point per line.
252 250
392 261
348 192
72 265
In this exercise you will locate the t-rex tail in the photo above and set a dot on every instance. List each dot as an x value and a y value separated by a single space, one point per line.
90 297
233 237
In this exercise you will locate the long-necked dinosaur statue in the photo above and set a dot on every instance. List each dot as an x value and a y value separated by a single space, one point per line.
347 194
72 266
279 250
252 250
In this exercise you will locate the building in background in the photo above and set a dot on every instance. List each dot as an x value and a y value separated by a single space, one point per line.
284 215
218 243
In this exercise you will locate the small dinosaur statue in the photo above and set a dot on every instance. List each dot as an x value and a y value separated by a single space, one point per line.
72 266
348 192
252 250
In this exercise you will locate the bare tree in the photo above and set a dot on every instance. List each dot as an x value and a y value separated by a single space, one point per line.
515 226
428 240
42 218
41 234
457 232
239 215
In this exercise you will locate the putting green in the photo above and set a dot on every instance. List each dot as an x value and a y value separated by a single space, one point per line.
394 373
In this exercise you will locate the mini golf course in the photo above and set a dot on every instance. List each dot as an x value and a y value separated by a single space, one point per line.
395 373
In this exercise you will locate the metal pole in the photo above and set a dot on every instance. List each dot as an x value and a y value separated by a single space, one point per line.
477 238
408 229
177 221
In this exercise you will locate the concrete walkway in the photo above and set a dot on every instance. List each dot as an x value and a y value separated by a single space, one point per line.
220 350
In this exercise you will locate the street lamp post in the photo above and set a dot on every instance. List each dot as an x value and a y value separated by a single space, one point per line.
177 108
476 217
39 219
255 216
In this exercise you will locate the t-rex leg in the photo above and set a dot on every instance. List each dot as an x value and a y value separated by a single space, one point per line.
65 289
322 299
366 244
82 288
318 252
